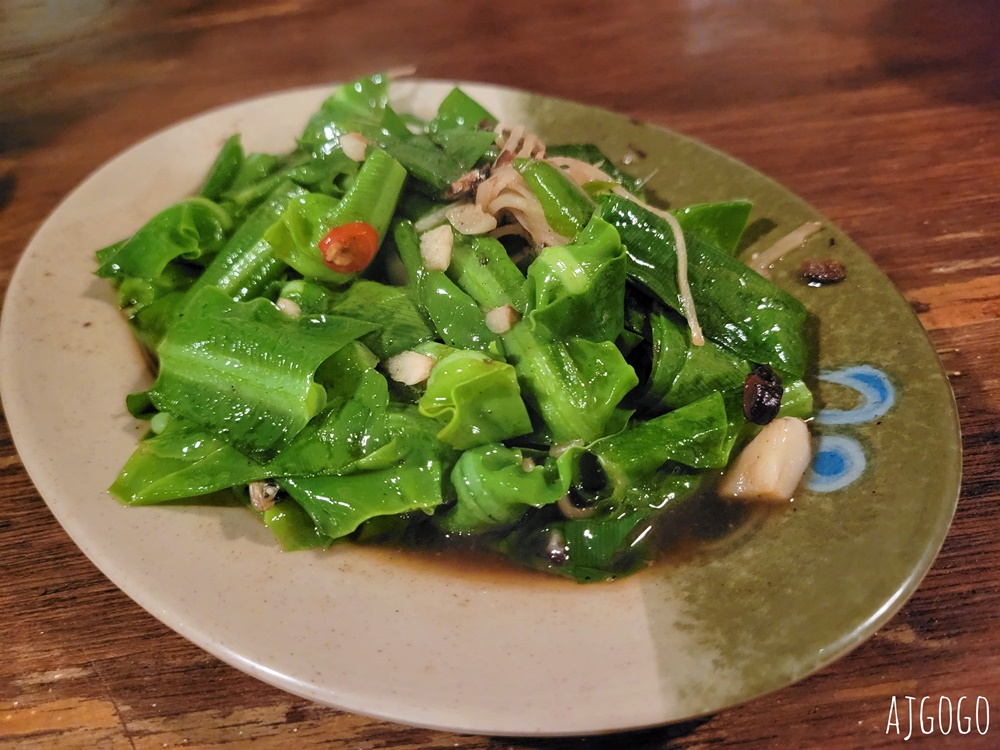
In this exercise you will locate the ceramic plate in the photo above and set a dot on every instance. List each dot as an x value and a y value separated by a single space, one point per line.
748 610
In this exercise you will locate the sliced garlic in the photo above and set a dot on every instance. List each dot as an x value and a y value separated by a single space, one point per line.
435 248
289 307
502 319
409 367
355 145
468 218
771 466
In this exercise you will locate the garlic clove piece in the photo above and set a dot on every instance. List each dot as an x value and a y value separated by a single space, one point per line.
436 247
502 319
355 146
771 466
409 367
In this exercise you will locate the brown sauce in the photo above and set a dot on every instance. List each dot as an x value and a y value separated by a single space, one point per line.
700 527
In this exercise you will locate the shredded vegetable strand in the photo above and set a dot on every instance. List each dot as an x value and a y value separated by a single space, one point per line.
506 193
683 285
761 262
581 173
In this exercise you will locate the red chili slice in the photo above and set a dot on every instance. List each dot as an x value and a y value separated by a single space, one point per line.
350 247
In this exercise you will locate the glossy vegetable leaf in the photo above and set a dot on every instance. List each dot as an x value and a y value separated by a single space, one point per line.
192 230
459 110
682 372
466 147
616 541
458 319
244 370
694 435
566 207
340 504
737 307
224 169
393 309
182 461
495 488
575 385
477 398
372 199
293 527
720 225
586 550
481 267
151 318
246 264
424 158
312 297
354 107
579 289
353 427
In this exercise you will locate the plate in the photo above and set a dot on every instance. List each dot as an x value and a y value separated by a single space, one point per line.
750 609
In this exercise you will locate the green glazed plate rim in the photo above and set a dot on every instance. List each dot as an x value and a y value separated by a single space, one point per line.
748 612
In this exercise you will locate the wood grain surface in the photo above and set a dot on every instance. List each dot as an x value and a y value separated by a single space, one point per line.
885 114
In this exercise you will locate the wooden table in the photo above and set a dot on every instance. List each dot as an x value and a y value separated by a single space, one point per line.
885 114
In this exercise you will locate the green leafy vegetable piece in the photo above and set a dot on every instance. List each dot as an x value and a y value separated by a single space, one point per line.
465 147
575 385
694 435
683 373
330 174
614 542
246 264
456 316
244 370
408 246
579 289
371 199
395 310
720 225
350 429
150 320
459 110
193 229
458 320
353 107
586 550
737 307
293 527
477 398
362 107
181 461
566 207
495 489
797 399
224 169
481 267
340 504
312 297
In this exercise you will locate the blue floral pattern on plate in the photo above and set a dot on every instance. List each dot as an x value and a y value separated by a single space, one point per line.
840 460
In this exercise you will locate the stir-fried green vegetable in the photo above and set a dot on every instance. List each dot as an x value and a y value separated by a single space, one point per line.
407 330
